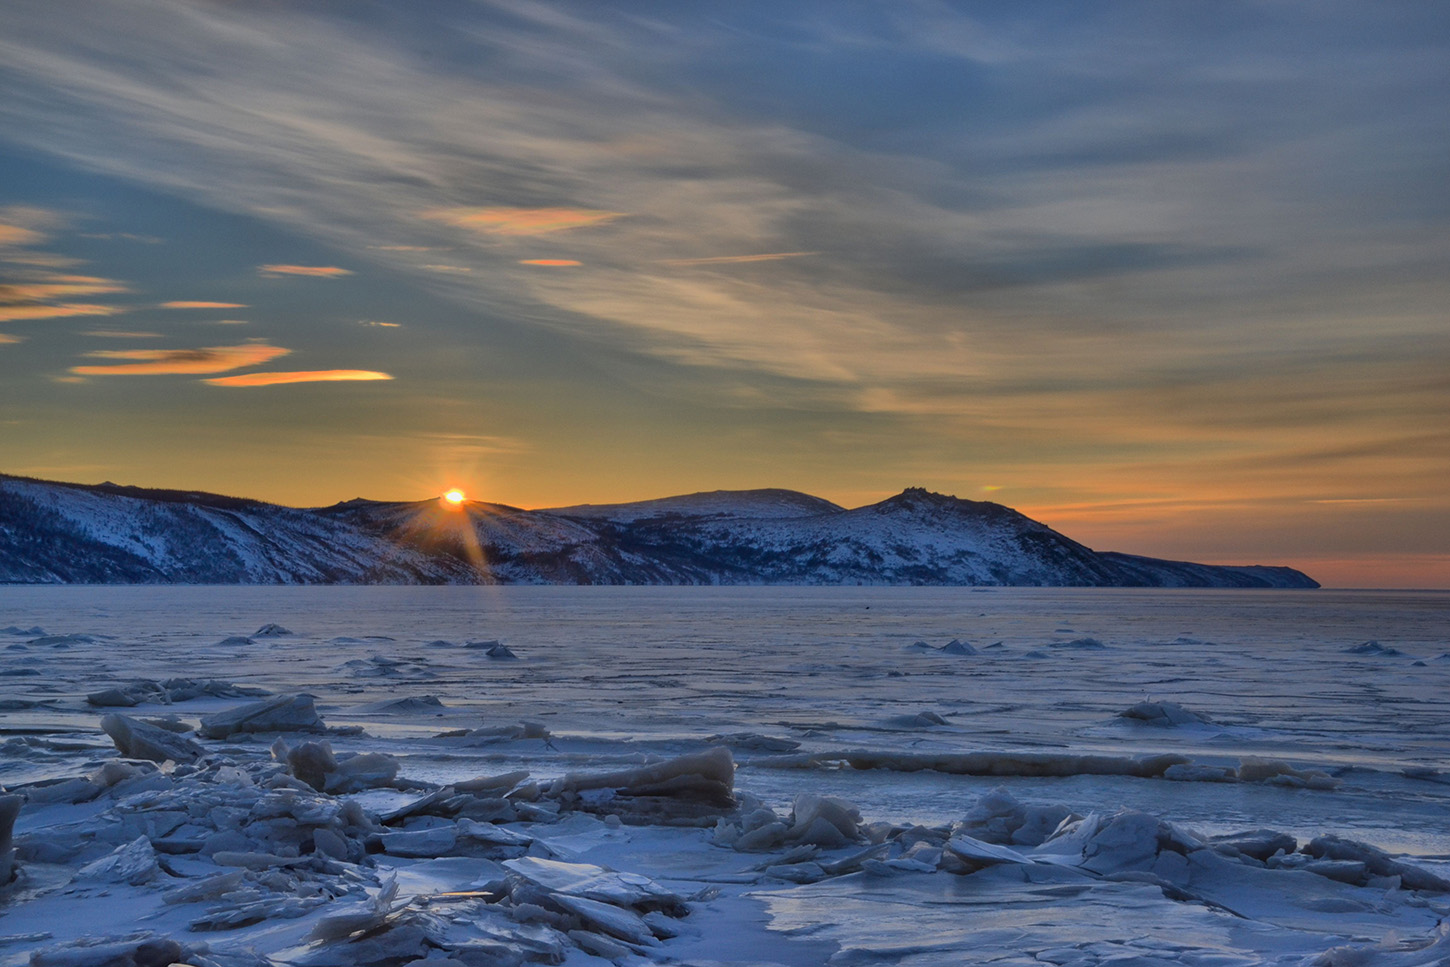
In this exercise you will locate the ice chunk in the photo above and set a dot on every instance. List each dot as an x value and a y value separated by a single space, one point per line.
957 647
1259 844
1163 714
685 790
824 821
1376 862
141 740
755 742
1281 773
999 818
921 720
1393 952
1079 644
1035 764
236 641
270 630
501 651
414 704
971 855
612 920
284 713
9 810
631 890
138 950
134 863
315 764
1374 648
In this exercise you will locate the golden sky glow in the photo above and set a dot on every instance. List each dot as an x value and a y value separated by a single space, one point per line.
554 262
309 271
310 376
152 362
520 221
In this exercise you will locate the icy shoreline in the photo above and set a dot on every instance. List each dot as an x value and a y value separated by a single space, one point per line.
612 789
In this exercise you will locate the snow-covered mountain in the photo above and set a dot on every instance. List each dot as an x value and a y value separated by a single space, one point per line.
75 533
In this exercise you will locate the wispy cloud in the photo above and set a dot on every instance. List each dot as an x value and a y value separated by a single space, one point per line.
551 262
379 324
732 259
58 286
309 271
121 334
520 221
306 376
444 267
65 310
18 235
151 362
8 340
188 304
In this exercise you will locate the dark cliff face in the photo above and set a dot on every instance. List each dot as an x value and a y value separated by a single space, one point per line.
63 533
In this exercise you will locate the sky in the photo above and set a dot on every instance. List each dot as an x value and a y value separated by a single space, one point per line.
1171 277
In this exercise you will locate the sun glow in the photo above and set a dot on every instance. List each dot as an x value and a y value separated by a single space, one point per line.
454 497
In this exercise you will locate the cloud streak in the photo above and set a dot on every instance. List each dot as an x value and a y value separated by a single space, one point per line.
736 259
155 362
519 222
304 376
307 271
62 311
184 304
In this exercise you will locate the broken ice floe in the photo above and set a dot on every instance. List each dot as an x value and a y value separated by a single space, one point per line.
283 713
270 630
315 764
169 691
1163 714
1079 644
691 790
1376 649
1058 764
141 740
9 812
954 647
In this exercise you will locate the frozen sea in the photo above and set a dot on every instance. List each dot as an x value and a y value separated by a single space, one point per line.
1320 714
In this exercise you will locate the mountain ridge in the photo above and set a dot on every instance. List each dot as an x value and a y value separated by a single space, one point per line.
54 532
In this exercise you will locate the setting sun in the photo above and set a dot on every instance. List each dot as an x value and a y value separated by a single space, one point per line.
454 496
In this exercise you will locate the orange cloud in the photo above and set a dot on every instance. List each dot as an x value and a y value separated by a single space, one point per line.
310 271
9 340
730 259
10 313
548 262
439 267
304 376
203 305
214 359
520 221
377 323
55 286
18 235
121 334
